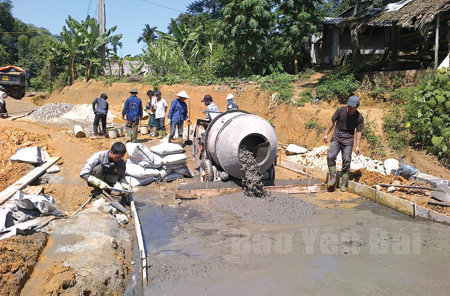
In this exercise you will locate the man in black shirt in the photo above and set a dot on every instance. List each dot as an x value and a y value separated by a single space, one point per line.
347 120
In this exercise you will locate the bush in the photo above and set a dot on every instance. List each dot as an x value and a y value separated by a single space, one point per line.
306 96
336 86
428 116
279 83
401 95
394 129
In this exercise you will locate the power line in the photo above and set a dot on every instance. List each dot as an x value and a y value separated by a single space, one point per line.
163 6
89 8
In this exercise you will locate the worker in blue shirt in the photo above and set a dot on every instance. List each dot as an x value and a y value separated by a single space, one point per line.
133 110
178 114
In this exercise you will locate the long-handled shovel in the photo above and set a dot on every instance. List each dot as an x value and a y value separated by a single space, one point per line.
188 141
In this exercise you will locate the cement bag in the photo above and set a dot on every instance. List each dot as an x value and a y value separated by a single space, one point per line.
172 167
139 181
163 172
185 171
166 149
157 162
137 171
391 165
139 152
174 159
43 203
172 176
31 155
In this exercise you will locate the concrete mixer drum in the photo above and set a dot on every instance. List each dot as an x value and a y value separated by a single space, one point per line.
225 137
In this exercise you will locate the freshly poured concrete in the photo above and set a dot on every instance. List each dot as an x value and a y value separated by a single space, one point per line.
352 247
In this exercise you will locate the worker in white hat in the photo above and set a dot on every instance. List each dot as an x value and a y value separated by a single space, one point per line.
178 113
231 105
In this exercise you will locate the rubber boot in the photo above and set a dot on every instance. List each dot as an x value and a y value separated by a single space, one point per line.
163 133
332 180
133 137
170 139
344 183
154 131
159 134
129 135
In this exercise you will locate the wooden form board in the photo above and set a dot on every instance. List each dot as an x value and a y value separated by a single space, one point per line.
301 169
397 203
27 179
140 240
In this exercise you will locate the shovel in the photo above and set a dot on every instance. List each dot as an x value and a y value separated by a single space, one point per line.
441 192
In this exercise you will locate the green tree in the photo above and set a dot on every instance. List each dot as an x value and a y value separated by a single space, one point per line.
297 20
246 28
148 34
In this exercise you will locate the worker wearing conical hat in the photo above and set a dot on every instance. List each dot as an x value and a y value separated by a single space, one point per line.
178 113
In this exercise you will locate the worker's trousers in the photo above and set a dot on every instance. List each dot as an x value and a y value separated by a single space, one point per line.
173 126
346 151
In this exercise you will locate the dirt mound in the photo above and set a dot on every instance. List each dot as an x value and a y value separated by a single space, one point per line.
10 140
18 255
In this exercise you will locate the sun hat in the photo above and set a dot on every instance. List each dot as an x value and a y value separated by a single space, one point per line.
182 94
133 91
230 97
207 98
353 102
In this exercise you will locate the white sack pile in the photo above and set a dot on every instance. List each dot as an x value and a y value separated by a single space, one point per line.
317 158
162 162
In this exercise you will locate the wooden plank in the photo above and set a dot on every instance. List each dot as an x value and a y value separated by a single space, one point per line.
301 169
140 240
27 179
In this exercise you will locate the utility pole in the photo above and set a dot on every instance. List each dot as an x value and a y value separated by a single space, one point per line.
102 22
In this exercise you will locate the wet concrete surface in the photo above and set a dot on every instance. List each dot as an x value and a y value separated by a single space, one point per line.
200 248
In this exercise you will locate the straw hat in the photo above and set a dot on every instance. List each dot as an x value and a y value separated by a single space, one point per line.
183 94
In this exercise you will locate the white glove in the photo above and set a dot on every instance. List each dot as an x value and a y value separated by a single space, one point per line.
126 186
168 121
97 182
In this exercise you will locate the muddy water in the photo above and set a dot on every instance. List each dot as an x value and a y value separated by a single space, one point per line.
200 248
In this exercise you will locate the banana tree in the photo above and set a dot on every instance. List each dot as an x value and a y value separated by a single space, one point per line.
89 31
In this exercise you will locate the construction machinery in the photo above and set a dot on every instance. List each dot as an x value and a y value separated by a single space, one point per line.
12 78
218 142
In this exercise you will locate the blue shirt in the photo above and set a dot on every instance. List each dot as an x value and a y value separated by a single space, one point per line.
100 106
132 108
177 111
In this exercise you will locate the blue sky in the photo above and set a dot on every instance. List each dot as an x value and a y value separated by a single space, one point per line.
130 16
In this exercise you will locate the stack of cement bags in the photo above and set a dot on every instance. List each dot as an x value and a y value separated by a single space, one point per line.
173 161
144 167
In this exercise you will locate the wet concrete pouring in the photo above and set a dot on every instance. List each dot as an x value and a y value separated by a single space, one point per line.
231 245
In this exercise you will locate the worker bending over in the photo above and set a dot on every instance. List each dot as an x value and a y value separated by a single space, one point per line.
103 169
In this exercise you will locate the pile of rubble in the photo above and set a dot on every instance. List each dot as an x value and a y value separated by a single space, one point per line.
317 158
57 112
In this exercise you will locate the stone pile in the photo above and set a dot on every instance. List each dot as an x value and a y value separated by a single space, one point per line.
317 158
51 111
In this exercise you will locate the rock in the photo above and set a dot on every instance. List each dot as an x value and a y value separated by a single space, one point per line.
122 219
396 182
391 164
391 189
378 187
293 149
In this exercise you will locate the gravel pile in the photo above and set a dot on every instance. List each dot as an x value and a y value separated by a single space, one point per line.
280 208
51 111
